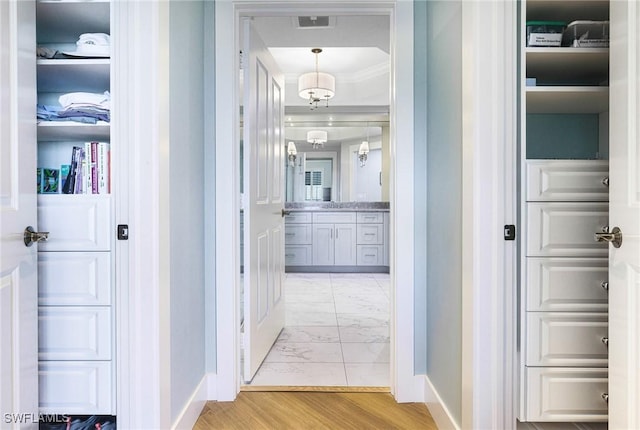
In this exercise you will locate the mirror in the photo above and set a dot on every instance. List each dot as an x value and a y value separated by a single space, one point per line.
333 171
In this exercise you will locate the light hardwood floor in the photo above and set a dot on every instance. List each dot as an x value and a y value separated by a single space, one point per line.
314 410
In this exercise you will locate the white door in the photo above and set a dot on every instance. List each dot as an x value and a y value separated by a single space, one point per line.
264 166
18 263
624 262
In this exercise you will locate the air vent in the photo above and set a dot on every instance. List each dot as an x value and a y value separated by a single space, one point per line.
313 21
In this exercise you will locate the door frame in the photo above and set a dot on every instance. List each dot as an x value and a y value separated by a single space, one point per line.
405 386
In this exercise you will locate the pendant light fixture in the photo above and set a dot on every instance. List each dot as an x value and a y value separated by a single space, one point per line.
363 151
316 86
317 138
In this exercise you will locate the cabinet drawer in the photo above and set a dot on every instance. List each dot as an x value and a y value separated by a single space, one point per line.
566 339
298 218
74 278
370 255
370 234
370 217
566 229
334 217
75 222
567 180
567 284
75 387
297 255
298 234
74 333
566 395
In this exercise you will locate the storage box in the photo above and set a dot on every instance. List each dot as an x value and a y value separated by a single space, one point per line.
545 33
586 34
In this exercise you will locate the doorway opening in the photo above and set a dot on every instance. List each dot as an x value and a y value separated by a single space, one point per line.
336 289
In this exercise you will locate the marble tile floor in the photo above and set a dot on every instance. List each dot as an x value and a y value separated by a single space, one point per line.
336 332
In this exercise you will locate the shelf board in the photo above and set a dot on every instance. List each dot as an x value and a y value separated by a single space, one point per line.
567 99
67 131
67 75
589 66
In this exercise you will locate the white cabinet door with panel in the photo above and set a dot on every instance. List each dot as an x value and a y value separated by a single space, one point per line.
345 245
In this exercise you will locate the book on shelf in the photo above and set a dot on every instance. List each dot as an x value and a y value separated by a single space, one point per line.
88 172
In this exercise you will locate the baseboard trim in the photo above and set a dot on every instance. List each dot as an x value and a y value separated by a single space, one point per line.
192 410
441 415
313 388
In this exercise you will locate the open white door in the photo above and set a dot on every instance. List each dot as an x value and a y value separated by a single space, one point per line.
263 119
18 263
624 262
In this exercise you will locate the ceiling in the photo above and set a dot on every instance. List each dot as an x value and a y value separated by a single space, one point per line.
355 51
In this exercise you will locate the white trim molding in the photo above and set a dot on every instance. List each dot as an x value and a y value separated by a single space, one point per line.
191 412
489 301
437 408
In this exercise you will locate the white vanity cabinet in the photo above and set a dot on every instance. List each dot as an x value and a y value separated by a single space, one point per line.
336 240
563 318
76 344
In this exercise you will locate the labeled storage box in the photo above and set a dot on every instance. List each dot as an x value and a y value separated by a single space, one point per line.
545 33
586 34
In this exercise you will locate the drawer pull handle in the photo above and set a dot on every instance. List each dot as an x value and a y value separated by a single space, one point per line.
290 234
605 340
605 181
289 255
605 397
369 234
369 255
605 285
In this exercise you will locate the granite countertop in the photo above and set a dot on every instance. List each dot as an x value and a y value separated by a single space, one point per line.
337 206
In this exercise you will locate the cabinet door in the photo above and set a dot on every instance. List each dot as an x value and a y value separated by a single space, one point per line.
323 251
345 245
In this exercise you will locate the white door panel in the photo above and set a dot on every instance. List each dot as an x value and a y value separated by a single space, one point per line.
18 263
624 262
264 190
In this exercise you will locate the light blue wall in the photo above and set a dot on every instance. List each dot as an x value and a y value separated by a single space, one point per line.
187 176
438 131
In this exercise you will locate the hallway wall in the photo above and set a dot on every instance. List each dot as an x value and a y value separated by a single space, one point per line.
438 146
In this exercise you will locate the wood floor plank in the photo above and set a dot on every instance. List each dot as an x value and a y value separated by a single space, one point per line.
314 410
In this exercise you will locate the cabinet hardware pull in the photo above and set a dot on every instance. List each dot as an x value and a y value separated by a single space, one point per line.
605 340
290 234
605 397
369 255
289 255
605 181
605 285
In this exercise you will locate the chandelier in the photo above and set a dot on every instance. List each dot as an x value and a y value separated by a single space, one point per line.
317 138
316 86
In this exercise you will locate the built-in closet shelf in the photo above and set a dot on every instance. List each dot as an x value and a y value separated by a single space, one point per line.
64 131
62 21
567 11
589 66
567 99
67 75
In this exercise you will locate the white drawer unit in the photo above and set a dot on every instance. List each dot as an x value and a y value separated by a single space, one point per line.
76 387
334 217
567 284
298 234
370 217
370 234
566 394
562 180
370 255
298 255
74 278
74 333
566 229
298 218
567 339
75 222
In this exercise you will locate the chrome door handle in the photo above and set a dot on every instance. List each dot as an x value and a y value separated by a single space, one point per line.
284 213
615 237
605 340
605 285
31 236
605 397
605 181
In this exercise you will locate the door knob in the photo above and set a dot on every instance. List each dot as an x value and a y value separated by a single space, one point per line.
615 237
285 213
31 236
